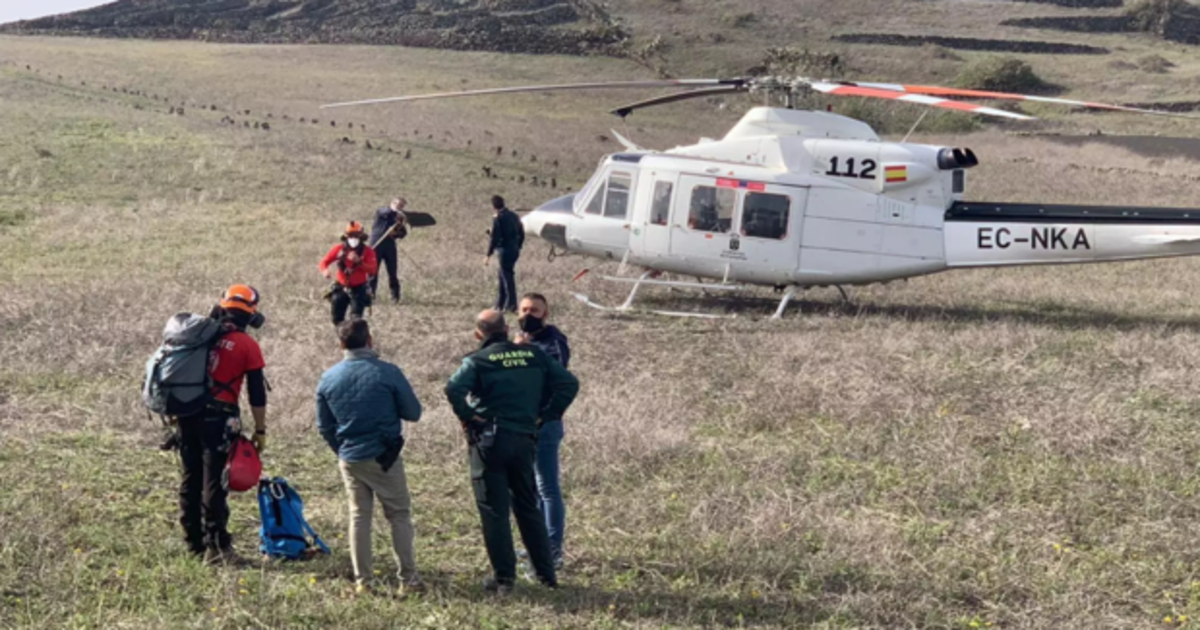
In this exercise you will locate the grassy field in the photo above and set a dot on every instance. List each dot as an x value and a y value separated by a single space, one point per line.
1006 448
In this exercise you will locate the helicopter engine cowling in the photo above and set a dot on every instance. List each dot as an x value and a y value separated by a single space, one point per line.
923 174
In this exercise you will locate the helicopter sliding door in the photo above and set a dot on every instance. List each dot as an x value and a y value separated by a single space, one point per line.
769 224
651 239
701 220
737 229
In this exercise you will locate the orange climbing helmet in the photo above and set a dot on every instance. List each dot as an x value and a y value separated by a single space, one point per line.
353 228
242 297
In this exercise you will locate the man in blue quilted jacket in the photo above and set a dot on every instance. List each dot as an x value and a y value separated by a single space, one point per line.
360 404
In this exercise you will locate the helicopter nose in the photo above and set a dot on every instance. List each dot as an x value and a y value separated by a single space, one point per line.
549 220
533 222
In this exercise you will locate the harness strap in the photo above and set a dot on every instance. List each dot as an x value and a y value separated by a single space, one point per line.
223 385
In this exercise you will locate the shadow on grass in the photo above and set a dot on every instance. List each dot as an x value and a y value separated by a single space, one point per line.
682 609
819 599
572 598
1031 313
638 601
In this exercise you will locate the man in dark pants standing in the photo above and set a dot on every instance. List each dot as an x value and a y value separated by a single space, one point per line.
352 264
498 394
205 437
389 227
535 330
508 237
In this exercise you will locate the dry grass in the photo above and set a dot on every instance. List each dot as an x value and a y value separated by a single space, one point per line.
1003 447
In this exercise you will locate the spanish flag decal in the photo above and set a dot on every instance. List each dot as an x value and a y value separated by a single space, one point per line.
895 174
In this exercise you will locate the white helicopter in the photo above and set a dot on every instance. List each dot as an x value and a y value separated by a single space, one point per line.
796 199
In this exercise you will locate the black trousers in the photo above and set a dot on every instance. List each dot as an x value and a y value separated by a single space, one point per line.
386 252
203 495
357 299
506 298
502 476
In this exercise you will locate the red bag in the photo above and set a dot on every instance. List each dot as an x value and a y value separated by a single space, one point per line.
243 468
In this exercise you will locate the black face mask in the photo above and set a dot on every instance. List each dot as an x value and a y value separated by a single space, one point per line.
257 320
531 324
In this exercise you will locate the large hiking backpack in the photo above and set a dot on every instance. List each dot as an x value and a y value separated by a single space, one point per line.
284 532
177 379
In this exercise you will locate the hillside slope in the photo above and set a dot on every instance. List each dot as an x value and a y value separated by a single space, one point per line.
531 26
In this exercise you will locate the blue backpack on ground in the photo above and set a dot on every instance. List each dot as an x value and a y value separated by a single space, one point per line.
284 532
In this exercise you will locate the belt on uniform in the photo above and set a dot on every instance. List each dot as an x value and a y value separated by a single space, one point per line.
224 408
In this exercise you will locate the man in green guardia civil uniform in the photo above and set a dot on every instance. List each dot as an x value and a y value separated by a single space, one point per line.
499 393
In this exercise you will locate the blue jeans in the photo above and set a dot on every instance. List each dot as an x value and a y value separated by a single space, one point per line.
549 438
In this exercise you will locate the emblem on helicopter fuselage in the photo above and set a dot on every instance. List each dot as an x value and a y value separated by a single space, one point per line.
732 253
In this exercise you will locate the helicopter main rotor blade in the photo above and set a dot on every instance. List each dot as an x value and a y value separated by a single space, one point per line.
933 90
842 89
653 83
626 110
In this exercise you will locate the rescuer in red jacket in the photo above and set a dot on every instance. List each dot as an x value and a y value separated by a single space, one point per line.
354 263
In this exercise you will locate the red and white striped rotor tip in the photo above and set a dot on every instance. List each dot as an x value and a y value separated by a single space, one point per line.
872 91
938 91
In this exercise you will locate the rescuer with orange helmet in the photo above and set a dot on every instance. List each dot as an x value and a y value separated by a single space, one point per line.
204 438
354 263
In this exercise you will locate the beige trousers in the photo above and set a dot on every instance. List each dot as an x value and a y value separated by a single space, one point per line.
365 481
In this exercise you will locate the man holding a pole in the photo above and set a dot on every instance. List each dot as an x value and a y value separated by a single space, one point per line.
390 225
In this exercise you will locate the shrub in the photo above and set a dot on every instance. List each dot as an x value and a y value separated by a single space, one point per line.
887 117
1155 16
1000 74
1155 64
12 218
786 60
741 20
934 51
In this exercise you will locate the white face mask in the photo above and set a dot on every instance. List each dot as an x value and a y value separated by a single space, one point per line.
353 242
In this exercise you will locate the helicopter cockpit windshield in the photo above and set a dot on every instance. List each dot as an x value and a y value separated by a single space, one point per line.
607 195
588 192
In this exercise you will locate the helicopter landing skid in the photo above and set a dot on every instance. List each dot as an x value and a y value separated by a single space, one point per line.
646 278
624 309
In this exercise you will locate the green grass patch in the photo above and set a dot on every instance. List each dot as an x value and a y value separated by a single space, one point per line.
13 218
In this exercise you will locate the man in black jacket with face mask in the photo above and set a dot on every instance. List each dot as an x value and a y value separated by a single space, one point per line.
535 311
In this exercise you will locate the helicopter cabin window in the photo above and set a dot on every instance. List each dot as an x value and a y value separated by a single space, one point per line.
616 204
765 216
660 210
711 209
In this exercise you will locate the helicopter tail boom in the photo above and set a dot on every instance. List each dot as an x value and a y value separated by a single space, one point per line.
1000 234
